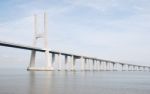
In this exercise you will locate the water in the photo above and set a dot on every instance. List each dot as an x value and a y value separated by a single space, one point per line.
19 81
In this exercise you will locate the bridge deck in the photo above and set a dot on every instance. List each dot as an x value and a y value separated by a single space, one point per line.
14 45
20 46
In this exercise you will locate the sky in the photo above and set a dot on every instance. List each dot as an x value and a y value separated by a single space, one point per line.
108 29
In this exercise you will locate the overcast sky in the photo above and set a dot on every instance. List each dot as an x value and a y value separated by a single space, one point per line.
109 29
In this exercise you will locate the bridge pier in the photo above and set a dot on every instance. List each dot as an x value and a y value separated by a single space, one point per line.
98 65
93 66
121 67
82 60
109 66
59 61
66 62
128 67
99 68
113 66
106 68
72 63
89 65
131 68
139 68
53 59
102 65
135 68
38 35
32 60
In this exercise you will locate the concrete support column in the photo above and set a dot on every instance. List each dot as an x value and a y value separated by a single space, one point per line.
106 66
142 68
72 63
99 65
128 67
66 62
113 66
93 66
53 59
134 68
102 65
47 55
116 66
85 66
32 59
139 68
96 65
59 62
122 65
109 66
88 64
82 63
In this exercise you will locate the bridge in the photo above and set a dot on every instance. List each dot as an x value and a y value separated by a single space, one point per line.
53 57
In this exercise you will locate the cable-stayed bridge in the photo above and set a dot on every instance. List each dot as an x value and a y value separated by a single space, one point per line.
97 64
53 57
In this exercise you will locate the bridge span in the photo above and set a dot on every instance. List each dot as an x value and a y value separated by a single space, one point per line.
97 64
70 60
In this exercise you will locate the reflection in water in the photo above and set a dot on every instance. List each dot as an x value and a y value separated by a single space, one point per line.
90 82
51 82
74 82
32 82
40 82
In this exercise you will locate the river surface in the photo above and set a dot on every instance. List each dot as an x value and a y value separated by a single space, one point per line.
20 81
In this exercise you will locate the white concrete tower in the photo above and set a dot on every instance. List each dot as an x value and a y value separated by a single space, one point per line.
44 36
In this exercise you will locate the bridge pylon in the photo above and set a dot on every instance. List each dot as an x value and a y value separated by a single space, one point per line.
44 36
